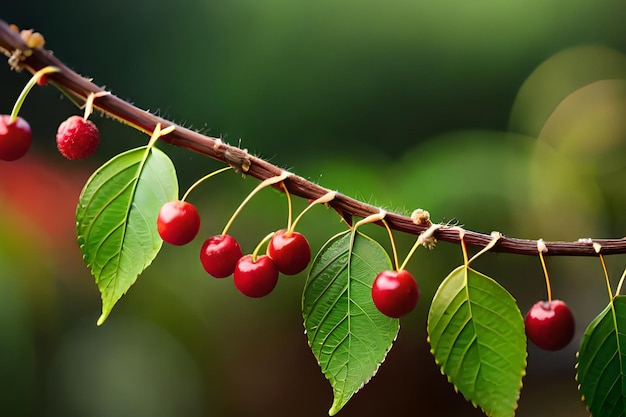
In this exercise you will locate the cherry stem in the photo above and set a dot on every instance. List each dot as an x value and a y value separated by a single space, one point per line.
29 86
263 184
541 247
206 177
394 251
598 248
463 247
606 277
157 133
496 236
258 247
289 210
329 196
372 218
419 242
89 102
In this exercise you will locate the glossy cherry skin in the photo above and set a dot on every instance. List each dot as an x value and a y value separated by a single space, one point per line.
77 138
255 278
395 293
550 325
178 222
219 255
15 138
290 251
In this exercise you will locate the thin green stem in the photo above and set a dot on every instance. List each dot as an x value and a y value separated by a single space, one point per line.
606 279
372 218
427 240
417 244
258 247
496 236
329 196
545 274
394 251
263 184
206 177
29 86
597 247
289 210
463 247
90 100
158 133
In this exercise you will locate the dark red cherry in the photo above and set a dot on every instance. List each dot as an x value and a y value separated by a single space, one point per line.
550 325
395 293
219 255
255 278
178 222
15 138
290 251
77 138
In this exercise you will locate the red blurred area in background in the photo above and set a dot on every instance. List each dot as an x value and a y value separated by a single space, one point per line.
38 198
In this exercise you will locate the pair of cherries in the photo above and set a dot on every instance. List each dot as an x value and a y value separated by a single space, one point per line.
288 252
550 325
77 138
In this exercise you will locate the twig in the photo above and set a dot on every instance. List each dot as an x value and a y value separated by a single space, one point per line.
79 88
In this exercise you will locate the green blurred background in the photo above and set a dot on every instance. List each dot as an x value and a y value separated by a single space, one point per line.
507 116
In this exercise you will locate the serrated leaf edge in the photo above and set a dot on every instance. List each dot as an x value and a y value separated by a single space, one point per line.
594 322
147 152
456 389
334 409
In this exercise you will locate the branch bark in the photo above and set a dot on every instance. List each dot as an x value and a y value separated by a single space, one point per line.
78 87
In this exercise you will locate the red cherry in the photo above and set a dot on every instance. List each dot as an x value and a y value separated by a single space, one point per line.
290 251
15 138
395 293
219 255
255 278
550 325
178 222
77 138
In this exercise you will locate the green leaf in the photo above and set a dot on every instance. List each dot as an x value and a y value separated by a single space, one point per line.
602 362
347 334
116 219
476 333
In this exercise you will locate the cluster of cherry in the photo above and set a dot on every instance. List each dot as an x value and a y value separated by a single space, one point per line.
395 293
77 137
254 275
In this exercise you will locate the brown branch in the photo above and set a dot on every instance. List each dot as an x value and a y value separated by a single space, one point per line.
79 88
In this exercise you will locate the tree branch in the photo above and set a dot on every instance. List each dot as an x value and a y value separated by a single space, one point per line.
79 88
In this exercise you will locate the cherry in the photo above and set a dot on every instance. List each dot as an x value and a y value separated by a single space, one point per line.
15 138
290 251
219 255
77 138
395 293
255 278
178 222
550 324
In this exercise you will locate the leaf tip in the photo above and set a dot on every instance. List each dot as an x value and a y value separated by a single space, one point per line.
335 408
103 317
